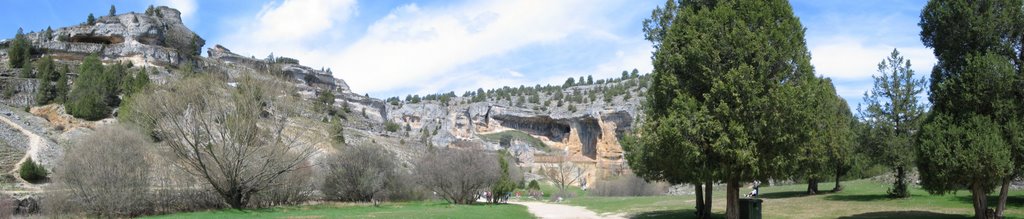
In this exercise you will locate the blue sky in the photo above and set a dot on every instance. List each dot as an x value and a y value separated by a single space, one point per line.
391 48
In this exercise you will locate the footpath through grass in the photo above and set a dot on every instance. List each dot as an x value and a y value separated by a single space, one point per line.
859 199
427 209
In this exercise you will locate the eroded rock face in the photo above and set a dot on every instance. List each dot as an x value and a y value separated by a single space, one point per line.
161 39
307 78
23 91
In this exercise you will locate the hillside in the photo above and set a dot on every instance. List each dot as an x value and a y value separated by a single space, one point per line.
535 123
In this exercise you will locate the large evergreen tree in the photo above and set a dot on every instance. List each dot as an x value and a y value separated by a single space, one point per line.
894 112
825 144
726 103
46 91
972 138
19 51
88 98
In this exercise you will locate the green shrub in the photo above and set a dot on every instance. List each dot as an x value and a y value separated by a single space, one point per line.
534 185
19 50
9 92
96 89
32 172
391 126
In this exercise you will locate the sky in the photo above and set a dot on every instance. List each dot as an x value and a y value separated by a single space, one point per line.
393 48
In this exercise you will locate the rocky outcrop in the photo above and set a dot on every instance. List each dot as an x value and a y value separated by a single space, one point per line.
307 78
159 39
21 91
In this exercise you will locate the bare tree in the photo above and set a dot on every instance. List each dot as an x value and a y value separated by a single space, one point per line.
361 173
106 174
458 175
240 140
564 173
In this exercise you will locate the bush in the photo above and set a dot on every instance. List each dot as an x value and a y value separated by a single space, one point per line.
458 175
295 187
95 90
32 172
391 126
360 173
505 183
19 51
9 92
6 206
628 185
534 185
106 174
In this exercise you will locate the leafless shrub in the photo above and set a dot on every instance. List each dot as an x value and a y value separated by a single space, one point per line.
564 173
456 175
6 206
239 144
292 188
360 173
629 185
105 174
175 190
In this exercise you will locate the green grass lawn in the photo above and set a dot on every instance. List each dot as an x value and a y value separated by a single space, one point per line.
429 209
859 199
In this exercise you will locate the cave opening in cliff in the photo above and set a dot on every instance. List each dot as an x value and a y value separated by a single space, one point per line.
539 126
106 40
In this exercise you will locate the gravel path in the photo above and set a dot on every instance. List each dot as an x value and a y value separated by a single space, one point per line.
546 210
35 142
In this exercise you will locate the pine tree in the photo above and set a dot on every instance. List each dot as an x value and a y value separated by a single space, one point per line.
893 110
19 51
112 12
973 138
91 20
88 98
47 74
730 116
26 69
61 87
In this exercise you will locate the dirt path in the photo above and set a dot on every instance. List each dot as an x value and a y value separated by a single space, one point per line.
35 142
546 210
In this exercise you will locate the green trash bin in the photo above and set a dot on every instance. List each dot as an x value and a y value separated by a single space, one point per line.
750 208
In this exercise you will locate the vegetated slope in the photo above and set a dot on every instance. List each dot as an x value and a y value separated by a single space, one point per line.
584 118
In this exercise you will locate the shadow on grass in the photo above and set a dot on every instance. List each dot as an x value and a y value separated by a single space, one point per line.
861 198
1011 201
904 214
786 194
680 213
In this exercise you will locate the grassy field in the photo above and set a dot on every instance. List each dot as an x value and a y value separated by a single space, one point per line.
389 210
859 199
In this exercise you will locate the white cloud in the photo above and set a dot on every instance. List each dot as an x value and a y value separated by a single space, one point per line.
851 61
187 7
413 45
515 73
425 49
847 58
294 28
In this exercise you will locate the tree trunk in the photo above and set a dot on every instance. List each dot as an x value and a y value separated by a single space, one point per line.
900 188
707 199
980 201
700 200
838 187
812 186
1002 197
732 198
